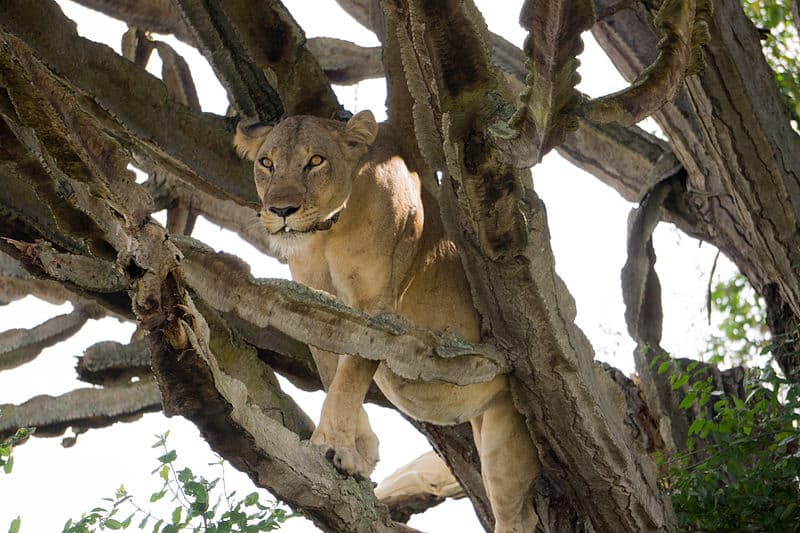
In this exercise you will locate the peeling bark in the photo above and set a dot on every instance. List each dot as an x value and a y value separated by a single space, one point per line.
145 117
730 129
20 346
81 409
109 363
323 321
73 115
527 309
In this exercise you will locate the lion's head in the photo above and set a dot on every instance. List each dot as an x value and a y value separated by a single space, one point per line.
303 168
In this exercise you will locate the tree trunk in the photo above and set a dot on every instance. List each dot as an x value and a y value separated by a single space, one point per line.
471 107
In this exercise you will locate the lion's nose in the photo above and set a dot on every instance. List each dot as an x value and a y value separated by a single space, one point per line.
284 211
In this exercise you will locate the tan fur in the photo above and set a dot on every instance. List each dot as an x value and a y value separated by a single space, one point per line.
382 255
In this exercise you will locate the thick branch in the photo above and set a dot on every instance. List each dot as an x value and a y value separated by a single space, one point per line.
322 321
143 116
160 16
502 234
243 40
247 86
16 283
548 105
216 393
684 28
346 63
110 362
81 409
20 346
731 131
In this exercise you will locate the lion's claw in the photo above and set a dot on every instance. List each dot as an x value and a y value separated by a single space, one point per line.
346 459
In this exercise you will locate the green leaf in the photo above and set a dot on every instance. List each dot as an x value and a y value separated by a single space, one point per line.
110 523
790 509
144 521
162 440
185 475
164 474
157 496
663 367
688 400
168 457
201 493
9 465
157 526
176 515
696 426
14 528
251 498
681 381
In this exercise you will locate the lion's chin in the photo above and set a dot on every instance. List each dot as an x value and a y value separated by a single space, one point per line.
286 244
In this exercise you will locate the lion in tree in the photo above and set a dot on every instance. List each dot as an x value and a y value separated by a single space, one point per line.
345 211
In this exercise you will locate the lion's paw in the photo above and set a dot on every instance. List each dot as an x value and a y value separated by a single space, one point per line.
345 458
367 445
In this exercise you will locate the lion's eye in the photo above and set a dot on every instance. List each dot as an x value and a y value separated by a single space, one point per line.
315 161
266 162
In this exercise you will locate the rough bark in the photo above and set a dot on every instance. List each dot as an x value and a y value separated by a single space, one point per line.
730 129
74 114
19 346
524 305
81 409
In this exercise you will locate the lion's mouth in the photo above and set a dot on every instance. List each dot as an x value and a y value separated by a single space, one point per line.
322 225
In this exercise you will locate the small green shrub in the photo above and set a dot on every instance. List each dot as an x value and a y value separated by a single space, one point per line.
200 505
746 476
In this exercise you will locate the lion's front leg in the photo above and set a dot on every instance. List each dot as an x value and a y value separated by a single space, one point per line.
343 416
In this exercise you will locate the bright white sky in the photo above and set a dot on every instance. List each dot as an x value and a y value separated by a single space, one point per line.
587 222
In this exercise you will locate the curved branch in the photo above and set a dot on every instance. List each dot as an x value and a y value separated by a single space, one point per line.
683 25
81 408
20 346
550 102
417 486
109 362
346 63
160 16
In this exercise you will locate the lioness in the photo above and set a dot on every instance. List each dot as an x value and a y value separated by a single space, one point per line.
346 212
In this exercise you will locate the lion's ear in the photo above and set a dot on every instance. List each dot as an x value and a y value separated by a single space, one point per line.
250 135
361 128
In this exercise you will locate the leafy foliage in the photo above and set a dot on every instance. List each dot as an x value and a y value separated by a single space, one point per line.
741 471
7 446
743 326
746 476
199 505
7 462
781 46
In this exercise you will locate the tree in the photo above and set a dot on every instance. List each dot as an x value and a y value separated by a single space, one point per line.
77 227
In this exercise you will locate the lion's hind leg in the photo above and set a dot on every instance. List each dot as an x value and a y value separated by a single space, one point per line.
509 464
